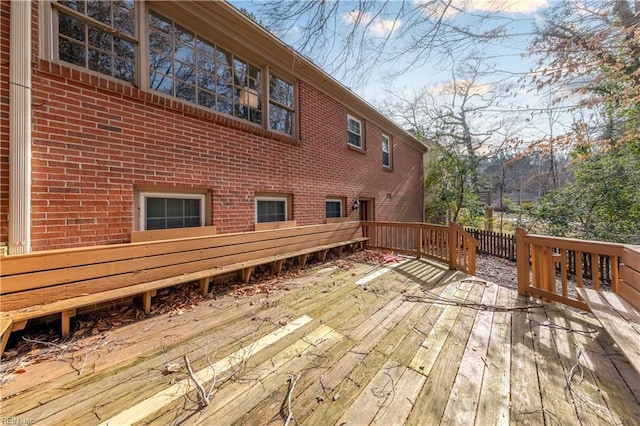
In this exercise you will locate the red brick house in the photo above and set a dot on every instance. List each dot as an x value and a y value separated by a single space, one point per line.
119 115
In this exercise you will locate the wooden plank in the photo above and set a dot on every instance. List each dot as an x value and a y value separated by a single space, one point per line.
629 293
581 389
172 233
631 257
630 276
461 409
235 398
556 406
431 403
178 274
398 405
619 319
245 274
275 225
241 249
62 258
493 402
139 411
5 330
374 395
525 402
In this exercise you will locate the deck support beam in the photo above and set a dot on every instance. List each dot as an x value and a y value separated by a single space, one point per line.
302 259
204 285
276 266
66 321
245 274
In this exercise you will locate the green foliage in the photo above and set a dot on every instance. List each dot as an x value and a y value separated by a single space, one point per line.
448 184
604 201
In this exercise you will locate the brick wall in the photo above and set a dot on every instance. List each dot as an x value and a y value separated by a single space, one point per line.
95 141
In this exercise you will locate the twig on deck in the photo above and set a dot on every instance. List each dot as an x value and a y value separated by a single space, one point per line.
292 385
576 366
204 398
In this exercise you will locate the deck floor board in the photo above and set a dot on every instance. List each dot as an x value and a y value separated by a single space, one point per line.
417 344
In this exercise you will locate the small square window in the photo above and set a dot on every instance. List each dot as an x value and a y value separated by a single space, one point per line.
164 211
334 208
271 209
354 132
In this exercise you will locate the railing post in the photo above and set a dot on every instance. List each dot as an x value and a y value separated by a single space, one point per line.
453 246
419 254
522 261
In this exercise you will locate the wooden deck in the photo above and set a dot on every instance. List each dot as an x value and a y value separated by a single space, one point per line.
417 344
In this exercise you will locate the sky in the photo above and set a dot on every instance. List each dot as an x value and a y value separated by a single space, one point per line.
507 54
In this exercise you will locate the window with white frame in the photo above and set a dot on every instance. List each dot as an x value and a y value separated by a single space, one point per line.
334 207
354 132
386 151
184 65
271 209
97 35
281 104
168 210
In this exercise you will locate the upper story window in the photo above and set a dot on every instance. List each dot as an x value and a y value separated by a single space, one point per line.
98 35
281 105
354 132
183 65
386 151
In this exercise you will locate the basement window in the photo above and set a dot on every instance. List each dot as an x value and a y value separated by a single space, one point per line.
164 211
333 207
272 209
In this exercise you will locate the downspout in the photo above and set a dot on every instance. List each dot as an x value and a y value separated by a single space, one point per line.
20 128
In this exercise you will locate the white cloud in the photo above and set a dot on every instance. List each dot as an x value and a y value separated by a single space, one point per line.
459 87
378 27
451 8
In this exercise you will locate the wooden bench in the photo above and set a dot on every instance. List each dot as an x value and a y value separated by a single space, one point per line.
172 234
61 281
619 311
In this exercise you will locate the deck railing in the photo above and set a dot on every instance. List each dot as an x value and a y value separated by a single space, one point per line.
448 244
551 268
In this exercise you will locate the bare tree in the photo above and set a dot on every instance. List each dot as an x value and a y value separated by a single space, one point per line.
349 38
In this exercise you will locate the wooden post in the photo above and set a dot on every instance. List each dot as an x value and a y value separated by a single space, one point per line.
146 301
204 285
245 274
66 321
276 266
453 246
419 253
522 261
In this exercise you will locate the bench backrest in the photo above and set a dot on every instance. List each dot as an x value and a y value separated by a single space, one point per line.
172 234
47 276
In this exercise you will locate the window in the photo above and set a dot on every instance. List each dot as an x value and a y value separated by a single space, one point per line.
281 105
163 211
98 35
386 151
334 208
271 209
354 132
184 65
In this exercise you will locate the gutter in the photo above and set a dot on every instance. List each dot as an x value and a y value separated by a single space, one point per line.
20 128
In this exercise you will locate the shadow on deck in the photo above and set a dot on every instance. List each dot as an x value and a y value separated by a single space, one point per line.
413 343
